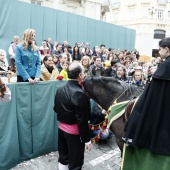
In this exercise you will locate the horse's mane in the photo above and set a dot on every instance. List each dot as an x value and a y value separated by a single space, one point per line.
105 90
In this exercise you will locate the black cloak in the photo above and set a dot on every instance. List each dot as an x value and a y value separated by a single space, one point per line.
149 123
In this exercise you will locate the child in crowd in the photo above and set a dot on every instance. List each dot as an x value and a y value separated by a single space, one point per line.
55 59
64 71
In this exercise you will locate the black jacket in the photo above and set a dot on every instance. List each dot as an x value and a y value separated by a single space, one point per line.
96 71
73 107
149 123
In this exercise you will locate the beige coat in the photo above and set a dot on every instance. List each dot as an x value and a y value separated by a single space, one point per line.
46 75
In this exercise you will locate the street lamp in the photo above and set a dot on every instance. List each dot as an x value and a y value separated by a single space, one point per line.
152 10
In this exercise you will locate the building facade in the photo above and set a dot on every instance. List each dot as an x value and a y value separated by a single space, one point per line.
150 19
95 9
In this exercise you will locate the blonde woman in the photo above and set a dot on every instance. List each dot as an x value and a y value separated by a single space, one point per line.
138 78
27 59
85 61
107 63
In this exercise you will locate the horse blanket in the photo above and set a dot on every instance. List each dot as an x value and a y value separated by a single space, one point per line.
116 111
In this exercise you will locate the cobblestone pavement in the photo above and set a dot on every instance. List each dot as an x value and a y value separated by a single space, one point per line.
104 156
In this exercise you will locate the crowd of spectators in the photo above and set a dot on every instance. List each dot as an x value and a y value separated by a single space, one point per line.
97 61
54 59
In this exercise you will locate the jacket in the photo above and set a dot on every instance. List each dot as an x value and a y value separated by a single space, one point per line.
73 107
148 125
28 62
46 75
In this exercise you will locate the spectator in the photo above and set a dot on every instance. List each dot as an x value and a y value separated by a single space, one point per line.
48 69
86 45
27 59
87 52
3 64
69 48
11 52
64 72
62 59
111 71
49 45
85 61
5 93
107 63
102 47
55 60
76 56
58 49
121 73
98 116
138 78
94 50
97 69
44 50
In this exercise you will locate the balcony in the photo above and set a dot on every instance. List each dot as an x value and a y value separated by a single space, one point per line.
162 2
115 5
105 6
79 1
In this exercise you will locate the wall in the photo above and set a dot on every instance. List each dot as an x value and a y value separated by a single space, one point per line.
16 16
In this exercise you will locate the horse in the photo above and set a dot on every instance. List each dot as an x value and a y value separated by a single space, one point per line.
105 90
117 126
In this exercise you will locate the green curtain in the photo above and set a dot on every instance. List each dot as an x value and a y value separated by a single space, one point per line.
16 16
28 124
81 28
62 26
91 32
49 26
72 28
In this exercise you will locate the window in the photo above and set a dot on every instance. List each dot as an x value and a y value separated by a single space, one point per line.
37 2
72 9
132 13
116 3
145 12
162 1
160 13
115 16
159 34
131 1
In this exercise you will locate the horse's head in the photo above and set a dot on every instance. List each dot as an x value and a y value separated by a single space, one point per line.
104 90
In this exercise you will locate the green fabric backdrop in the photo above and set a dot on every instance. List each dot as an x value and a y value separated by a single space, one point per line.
16 16
28 124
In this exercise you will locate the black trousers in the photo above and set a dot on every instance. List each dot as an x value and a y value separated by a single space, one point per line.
12 63
71 150
20 79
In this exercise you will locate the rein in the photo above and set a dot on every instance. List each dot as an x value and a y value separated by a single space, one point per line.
115 101
103 124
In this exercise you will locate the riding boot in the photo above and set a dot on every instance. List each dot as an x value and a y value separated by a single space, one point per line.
62 167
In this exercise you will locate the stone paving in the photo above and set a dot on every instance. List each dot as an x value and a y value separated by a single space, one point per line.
103 156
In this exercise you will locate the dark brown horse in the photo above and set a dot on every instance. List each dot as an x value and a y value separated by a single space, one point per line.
117 126
105 90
